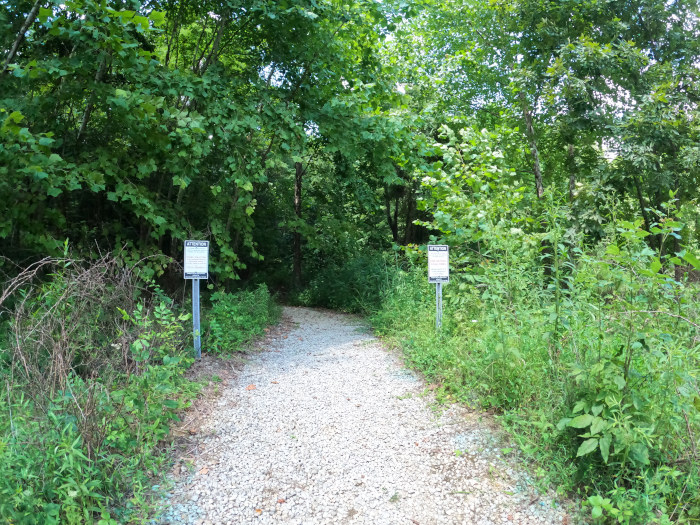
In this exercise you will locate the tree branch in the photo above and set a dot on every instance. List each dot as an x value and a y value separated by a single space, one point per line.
20 36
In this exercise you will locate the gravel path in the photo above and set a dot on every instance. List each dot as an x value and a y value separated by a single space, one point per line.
328 427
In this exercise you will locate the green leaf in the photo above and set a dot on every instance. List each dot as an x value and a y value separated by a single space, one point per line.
54 192
16 117
44 14
158 18
655 266
581 421
605 447
587 447
598 425
620 382
639 453
690 258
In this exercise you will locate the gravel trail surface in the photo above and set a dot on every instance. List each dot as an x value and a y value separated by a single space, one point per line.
327 426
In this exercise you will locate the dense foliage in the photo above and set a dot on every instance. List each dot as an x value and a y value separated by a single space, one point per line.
89 394
236 318
321 144
93 367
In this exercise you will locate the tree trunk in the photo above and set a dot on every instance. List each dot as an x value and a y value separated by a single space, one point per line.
391 221
539 188
571 161
645 213
296 272
173 39
20 36
213 54
410 208
91 99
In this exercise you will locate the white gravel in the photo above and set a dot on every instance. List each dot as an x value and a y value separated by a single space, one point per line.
337 431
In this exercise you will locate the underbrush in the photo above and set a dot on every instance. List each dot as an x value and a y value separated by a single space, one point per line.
352 287
92 367
589 357
237 318
92 377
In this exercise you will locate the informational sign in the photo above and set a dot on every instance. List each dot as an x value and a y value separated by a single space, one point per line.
196 268
196 259
438 263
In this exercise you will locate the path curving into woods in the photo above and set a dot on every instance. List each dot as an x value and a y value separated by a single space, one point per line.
327 426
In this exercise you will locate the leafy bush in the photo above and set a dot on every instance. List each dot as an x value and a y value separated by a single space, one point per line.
95 378
590 353
592 361
355 286
236 318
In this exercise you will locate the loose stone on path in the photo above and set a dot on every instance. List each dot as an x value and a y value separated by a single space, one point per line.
328 427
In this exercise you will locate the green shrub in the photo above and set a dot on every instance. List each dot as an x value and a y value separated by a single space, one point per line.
594 367
96 378
236 318
355 286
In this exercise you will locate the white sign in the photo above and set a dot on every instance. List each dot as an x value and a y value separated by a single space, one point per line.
438 263
196 259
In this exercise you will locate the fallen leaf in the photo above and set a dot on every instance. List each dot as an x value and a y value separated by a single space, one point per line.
301 339
204 470
275 382
250 387
258 511
192 432
281 500
285 337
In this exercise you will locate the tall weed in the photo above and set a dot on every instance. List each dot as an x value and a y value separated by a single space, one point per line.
598 381
92 379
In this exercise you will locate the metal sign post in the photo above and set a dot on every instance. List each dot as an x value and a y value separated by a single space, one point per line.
438 273
438 305
196 268
195 319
